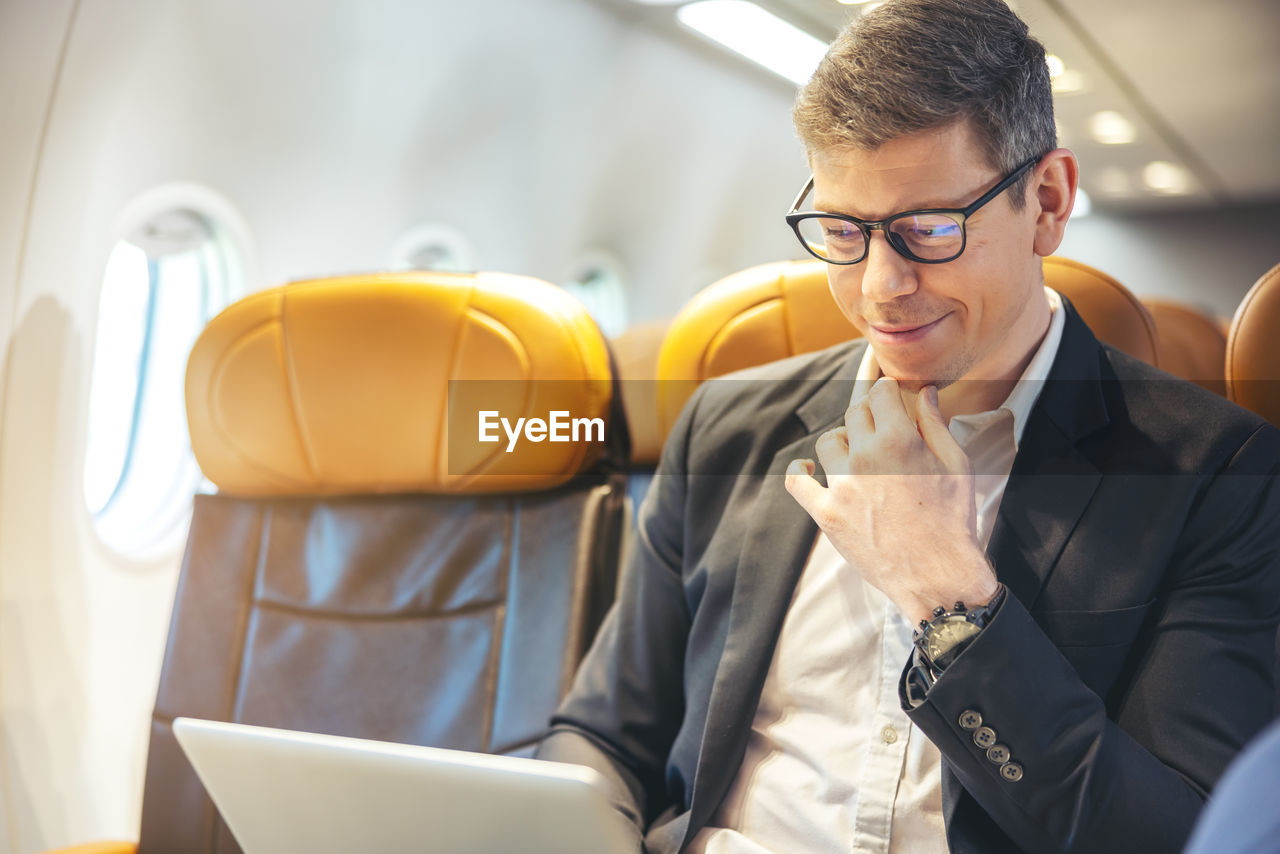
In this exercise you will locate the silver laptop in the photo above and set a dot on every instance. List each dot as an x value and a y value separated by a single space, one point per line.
285 792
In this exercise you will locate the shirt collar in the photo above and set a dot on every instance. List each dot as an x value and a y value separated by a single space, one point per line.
1026 391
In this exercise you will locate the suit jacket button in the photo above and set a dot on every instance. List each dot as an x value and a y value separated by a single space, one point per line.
984 737
998 753
970 720
1011 771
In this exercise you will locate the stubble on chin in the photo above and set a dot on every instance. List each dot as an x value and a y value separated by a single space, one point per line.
941 377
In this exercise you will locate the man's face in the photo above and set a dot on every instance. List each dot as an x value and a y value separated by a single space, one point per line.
973 317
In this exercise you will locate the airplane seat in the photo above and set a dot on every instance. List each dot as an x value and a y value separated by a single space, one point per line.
1253 365
781 309
369 567
636 357
1253 354
1116 317
1192 344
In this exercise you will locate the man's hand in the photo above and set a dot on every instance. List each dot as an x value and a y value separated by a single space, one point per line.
899 503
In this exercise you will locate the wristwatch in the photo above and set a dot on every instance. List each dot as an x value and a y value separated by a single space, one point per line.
939 642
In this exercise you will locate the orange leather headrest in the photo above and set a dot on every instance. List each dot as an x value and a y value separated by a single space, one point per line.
755 316
1193 345
376 383
1253 363
1113 313
782 309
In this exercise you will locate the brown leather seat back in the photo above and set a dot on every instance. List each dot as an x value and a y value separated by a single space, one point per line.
426 602
782 309
1114 314
1253 364
1253 349
1193 345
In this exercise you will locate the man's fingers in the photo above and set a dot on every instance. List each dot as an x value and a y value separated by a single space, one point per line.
802 485
933 428
832 449
887 409
857 420
801 468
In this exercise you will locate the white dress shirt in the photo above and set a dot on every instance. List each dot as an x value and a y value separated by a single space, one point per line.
833 765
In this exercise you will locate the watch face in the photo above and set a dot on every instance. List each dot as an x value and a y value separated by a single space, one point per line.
945 635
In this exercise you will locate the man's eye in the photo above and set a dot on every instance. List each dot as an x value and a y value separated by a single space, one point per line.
929 231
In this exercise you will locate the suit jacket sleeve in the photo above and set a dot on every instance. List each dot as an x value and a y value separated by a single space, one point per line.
1130 773
627 701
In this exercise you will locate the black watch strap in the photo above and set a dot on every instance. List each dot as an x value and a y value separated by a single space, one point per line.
925 668
918 681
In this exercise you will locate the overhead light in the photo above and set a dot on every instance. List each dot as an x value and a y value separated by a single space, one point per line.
1083 206
1161 176
1110 128
657 2
760 36
1063 80
1067 82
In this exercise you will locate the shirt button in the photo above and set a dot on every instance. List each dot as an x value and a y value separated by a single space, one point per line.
984 737
1011 771
998 753
970 720
888 735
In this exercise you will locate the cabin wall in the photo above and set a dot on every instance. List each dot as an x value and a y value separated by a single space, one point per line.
32 35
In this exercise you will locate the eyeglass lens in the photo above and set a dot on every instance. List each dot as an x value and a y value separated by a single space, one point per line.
928 237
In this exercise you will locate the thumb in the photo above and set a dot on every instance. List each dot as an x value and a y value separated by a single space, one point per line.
804 488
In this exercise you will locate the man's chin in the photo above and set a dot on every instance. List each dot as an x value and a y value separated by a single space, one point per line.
914 384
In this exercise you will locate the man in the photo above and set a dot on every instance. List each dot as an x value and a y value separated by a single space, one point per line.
1091 547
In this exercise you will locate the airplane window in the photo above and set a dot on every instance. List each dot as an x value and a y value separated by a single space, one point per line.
598 281
163 281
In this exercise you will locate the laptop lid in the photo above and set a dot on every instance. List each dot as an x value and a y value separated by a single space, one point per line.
286 792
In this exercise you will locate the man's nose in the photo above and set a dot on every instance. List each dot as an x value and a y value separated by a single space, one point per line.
886 274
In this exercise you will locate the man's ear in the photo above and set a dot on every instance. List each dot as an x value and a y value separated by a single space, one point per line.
1053 191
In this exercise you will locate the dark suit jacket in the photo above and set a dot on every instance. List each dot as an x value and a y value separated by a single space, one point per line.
1139 536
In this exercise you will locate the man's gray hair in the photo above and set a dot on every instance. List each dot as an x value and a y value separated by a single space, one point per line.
915 65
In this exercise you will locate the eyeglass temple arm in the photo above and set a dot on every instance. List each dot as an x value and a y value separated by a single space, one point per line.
804 191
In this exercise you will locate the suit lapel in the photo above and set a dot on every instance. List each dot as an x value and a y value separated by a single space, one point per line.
769 567
1052 482
1044 500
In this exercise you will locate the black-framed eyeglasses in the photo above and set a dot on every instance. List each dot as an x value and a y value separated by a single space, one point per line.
932 236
